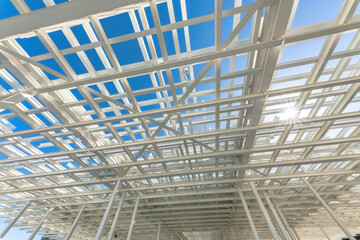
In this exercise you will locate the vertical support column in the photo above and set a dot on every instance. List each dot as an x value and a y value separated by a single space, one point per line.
158 232
218 24
41 223
232 232
75 223
283 231
101 228
264 212
327 236
133 218
252 225
116 218
11 224
283 218
329 210
296 234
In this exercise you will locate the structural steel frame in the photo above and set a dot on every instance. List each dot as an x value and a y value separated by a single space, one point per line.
228 166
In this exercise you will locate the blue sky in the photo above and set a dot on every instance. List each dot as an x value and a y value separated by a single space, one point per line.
15 233
201 36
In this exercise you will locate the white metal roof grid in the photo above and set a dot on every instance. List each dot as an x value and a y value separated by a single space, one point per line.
264 150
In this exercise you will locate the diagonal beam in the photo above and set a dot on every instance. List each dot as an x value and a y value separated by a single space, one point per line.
116 217
264 211
11 224
132 222
248 214
329 210
277 219
42 221
88 89
283 218
227 42
75 223
107 213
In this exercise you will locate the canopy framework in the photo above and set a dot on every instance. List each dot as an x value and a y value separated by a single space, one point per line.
166 141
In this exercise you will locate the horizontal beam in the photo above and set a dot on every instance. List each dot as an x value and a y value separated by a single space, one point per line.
58 14
207 57
103 192
180 184
204 155
249 97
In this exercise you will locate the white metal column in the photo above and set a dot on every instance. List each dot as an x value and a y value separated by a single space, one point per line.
158 232
116 218
282 229
326 235
251 222
133 218
283 218
296 233
41 223
329 210
11 224
107 211
75 223
264 212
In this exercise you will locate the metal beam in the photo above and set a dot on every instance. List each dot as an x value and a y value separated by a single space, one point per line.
132 222
283 218
179 154
296 234
116 217
277 219
264 211
329 210
272 93
107 213
325 234
75 223
32 236
248 214
158 231
14 220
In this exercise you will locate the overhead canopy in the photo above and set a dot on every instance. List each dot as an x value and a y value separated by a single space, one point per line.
184 105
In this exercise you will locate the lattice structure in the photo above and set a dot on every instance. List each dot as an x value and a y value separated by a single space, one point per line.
120 120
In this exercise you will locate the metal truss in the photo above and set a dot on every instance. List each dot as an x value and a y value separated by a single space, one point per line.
176 166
